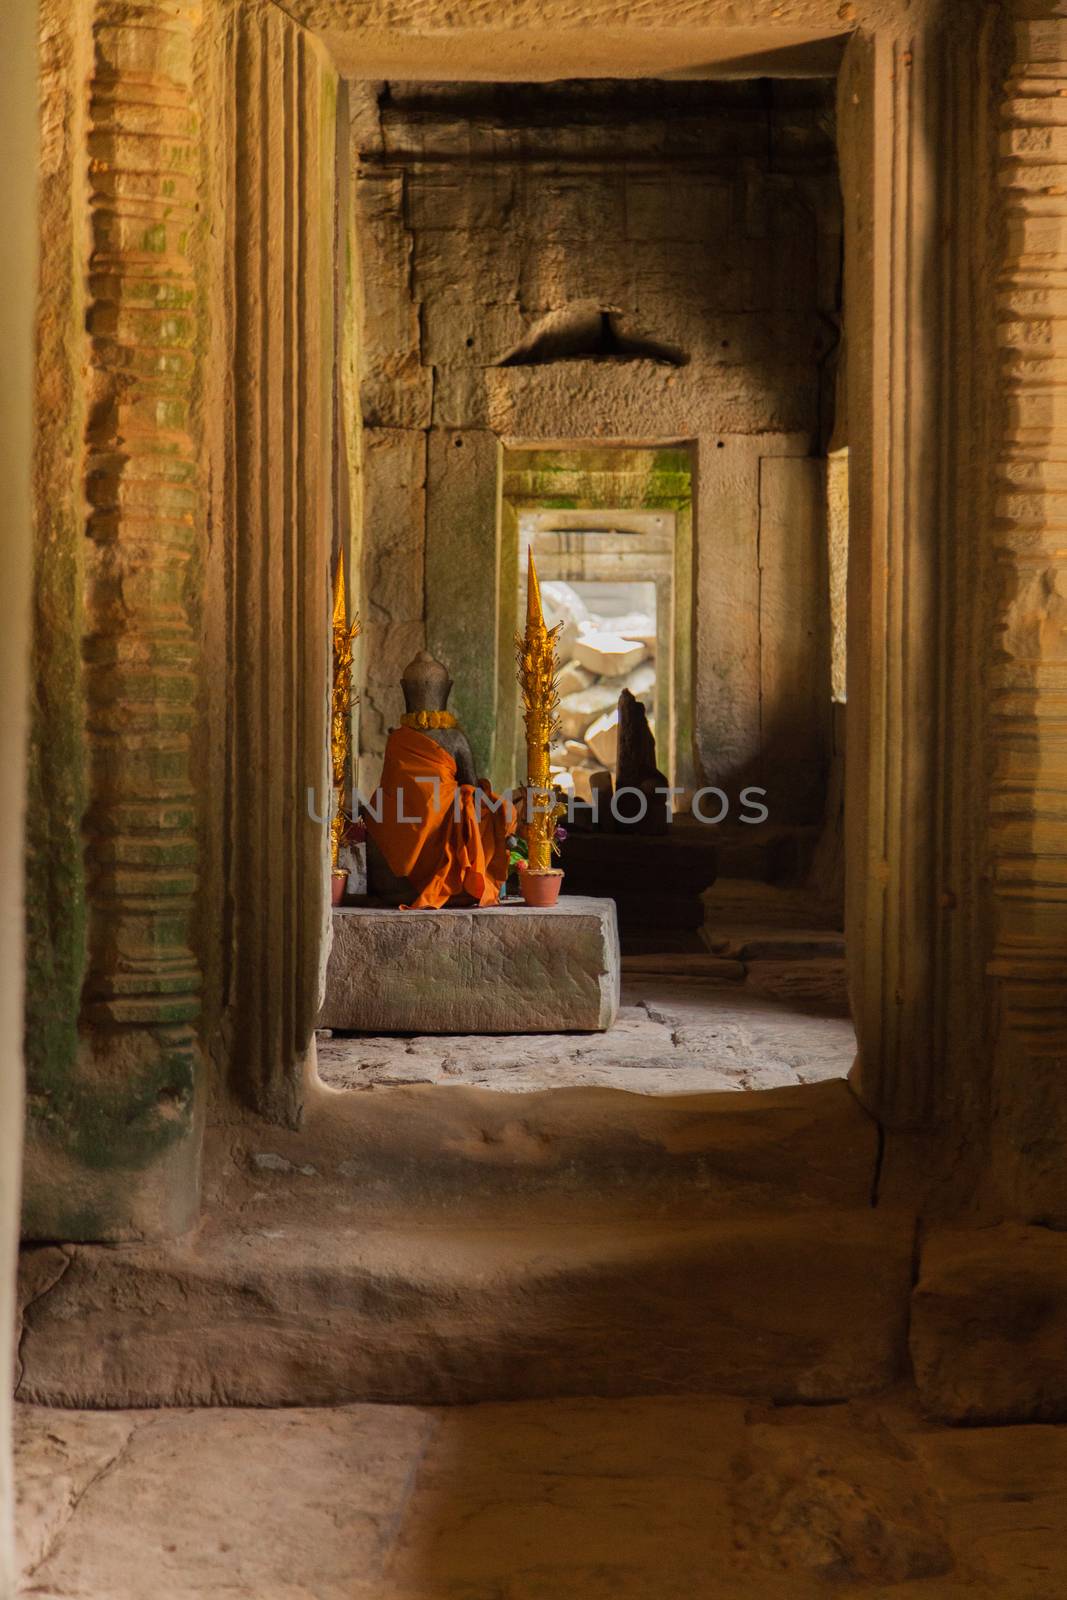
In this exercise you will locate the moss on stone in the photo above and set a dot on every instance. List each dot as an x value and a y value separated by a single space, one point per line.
55 874
127 1098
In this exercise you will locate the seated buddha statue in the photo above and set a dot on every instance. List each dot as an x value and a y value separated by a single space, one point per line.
439 831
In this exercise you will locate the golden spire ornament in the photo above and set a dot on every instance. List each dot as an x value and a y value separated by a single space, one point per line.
344 637
538 669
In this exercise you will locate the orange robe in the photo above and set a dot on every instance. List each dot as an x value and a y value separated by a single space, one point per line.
437 833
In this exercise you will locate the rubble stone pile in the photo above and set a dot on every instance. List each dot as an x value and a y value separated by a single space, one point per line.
600 655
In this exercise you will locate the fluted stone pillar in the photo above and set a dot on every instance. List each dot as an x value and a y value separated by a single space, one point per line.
916 177
282 99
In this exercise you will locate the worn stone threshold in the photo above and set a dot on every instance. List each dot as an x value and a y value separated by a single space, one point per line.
445 1245
809 1306
584 1151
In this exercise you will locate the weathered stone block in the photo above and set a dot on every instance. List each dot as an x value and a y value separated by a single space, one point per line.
461 489
402 400
588 398
388 647
395 389
573 679
989 1325
472 334
583 706
451 201
395 507
678 206
459 397
641 681
489 259
575 753
603 737
803 1306
497 969
608 653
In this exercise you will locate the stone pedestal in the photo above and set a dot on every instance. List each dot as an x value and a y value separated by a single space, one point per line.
495 969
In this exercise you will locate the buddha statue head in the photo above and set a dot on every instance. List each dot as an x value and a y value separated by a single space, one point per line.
426 683
427 686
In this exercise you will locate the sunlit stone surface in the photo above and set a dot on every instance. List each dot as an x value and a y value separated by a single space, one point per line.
498 969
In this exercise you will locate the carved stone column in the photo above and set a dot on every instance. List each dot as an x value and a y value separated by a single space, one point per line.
183 586
1028 676
915 173
143 487
113 1137
282 137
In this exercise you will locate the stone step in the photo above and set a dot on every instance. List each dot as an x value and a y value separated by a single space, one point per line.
776 944
764 853
735 906
820 983
808 1306
664 941
683 964
601 1153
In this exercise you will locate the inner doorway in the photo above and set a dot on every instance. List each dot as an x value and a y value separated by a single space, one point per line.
586 307
611 530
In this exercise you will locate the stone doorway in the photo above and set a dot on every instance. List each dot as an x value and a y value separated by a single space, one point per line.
444 1247
597 518
262 336
519 287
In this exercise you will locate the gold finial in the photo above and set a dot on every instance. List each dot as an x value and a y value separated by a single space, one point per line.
340 706
535 616
538 668
340 606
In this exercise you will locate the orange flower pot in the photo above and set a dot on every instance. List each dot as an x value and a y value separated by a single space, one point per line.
338 885
541 888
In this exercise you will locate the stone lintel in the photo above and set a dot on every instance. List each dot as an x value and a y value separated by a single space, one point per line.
493 969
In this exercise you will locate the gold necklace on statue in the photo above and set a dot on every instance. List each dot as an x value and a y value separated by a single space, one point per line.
429 719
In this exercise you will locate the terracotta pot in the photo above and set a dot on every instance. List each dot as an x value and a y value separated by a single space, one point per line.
338 885
541 888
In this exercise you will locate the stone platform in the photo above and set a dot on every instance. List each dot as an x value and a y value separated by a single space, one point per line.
494 969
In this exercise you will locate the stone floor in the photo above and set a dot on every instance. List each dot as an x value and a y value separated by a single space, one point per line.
666 1499
678 1032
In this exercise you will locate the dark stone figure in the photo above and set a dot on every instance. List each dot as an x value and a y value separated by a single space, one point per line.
635 768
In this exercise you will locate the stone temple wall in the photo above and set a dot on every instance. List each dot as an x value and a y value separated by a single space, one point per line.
932 864
582 262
